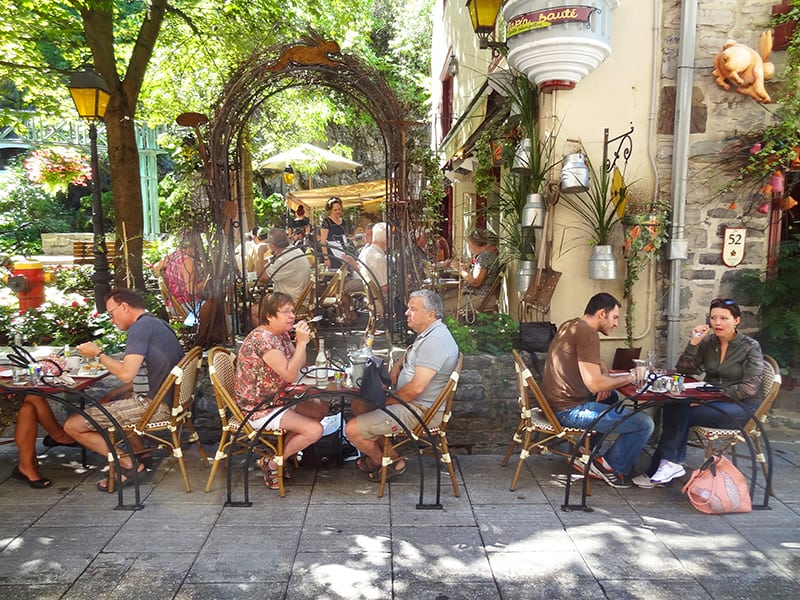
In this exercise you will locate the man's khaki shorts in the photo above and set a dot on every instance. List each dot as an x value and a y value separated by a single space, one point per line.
376 423
127 411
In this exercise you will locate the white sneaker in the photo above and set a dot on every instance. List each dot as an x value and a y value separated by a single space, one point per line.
667 471
644 481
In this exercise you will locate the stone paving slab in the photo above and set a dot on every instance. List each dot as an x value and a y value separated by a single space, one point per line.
331 537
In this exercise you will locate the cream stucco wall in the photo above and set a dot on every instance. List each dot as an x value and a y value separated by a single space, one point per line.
616 95
626 90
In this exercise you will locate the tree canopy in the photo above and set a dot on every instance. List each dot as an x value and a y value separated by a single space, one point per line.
161 58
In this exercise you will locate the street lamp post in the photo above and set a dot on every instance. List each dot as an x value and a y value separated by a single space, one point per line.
90 94
288 180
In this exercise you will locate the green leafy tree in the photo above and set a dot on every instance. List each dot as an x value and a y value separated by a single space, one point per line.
27 211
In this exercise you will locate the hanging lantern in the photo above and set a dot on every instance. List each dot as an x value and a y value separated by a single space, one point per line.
764 208
788 203
574 174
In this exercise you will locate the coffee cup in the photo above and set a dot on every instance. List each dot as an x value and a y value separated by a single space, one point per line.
73 364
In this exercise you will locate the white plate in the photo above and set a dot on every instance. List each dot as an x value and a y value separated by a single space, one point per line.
7 373
84 372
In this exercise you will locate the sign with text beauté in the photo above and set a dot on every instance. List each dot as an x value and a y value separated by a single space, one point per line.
541 19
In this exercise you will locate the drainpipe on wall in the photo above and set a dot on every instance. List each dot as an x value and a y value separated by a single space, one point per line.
679 247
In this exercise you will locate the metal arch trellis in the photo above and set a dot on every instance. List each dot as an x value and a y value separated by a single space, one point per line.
312 61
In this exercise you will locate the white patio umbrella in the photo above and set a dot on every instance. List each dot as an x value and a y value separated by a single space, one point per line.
308 158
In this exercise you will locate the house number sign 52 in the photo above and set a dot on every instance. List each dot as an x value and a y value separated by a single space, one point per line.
733 246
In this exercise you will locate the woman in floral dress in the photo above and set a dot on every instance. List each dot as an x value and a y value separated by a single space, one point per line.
267 361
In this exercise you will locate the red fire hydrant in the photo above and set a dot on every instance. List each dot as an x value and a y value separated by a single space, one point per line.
27 281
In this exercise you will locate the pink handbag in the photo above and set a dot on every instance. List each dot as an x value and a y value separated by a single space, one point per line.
718 487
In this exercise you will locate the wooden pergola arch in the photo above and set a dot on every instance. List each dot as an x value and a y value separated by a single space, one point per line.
312 61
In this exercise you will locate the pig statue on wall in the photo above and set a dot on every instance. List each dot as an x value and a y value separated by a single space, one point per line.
745 68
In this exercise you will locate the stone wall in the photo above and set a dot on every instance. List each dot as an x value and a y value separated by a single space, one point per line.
485 412
718 144
60 244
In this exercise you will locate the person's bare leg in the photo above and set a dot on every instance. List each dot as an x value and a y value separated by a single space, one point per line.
77 427
25 437
369 448
46 418
303 431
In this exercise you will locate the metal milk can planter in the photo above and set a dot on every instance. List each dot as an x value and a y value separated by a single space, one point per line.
602 263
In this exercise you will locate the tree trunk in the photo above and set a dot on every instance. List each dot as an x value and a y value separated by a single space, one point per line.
123 158
123 154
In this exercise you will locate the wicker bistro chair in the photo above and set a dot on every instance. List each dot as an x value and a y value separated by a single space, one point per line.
709 437
400 441
182 384
539 431
235 438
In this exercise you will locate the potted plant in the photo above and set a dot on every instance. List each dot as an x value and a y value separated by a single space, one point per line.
645 222
529 159
598 211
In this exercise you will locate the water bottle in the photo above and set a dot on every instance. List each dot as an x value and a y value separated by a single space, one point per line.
321 366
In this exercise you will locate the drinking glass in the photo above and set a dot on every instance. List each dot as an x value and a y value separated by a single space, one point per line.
20 376
639 374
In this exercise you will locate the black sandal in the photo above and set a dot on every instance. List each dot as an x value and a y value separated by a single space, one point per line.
37 484
128 474
49 442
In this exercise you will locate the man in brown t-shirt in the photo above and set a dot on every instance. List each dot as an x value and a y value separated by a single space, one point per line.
576 382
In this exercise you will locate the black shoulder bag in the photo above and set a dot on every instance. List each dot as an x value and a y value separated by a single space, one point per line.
374 382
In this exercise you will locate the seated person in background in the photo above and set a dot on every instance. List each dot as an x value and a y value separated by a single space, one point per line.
266 362
367 242
372 266
481 276
249 252
418 378
287 268
576 382
183 274
151 351
731 361
301 223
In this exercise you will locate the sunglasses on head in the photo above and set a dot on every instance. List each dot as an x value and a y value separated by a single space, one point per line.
723 301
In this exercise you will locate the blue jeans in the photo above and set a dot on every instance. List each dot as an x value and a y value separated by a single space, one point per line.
632 434
677 419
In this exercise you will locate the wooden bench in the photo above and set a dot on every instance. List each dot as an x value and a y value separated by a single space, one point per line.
83 253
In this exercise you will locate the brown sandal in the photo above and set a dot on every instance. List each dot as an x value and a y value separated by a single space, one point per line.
272 480
366 465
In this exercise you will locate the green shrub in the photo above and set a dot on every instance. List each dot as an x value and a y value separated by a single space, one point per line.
492 333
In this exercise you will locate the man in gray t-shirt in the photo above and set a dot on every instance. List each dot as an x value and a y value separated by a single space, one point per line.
151 345
419 377
289 270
